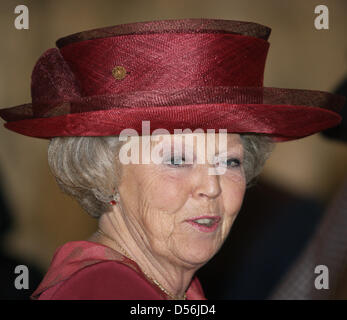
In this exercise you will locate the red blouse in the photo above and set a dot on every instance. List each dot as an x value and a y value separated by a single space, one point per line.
85 270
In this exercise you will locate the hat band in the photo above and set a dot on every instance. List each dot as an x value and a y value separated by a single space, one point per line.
166 61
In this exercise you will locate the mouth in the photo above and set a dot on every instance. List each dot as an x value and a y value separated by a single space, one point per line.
205 223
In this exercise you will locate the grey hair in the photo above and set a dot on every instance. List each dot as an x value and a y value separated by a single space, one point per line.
257 149
89 170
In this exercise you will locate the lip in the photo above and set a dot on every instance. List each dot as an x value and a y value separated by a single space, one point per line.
202 228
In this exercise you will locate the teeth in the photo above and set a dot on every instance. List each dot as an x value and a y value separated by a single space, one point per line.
208 222
203 220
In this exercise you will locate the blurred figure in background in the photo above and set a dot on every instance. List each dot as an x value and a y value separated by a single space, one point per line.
328 246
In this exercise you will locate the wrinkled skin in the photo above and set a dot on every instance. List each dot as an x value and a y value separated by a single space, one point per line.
150 222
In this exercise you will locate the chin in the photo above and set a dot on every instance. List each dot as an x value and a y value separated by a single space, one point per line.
199 255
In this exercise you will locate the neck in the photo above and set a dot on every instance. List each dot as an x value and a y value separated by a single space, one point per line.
121 235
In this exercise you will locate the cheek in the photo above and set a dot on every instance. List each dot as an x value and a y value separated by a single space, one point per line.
164 194
169 191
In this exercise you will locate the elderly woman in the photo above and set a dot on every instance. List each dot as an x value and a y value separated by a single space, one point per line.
162 216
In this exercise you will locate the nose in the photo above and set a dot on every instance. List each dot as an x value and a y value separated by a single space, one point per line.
206 185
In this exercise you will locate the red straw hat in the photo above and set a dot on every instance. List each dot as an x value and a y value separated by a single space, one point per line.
178 74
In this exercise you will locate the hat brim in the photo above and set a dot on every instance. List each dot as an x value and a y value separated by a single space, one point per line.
281 122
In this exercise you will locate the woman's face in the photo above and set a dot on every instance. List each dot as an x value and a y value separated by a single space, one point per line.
179 210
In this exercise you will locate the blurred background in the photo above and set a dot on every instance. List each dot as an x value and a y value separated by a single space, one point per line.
297 186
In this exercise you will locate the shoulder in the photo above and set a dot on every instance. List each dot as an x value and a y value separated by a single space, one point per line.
107 280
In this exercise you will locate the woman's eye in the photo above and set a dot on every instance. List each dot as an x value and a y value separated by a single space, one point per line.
175 161
233 162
